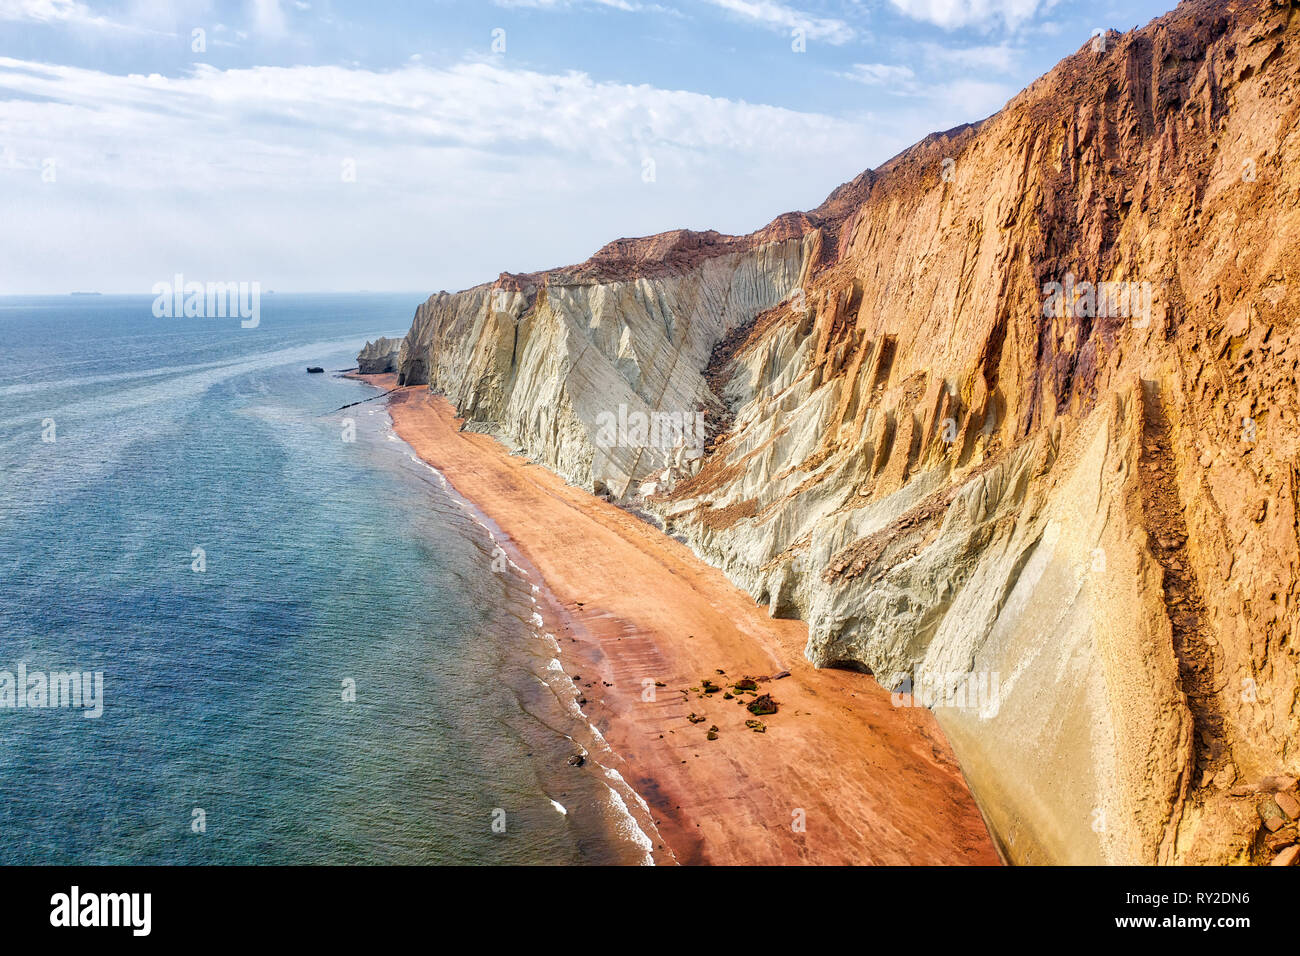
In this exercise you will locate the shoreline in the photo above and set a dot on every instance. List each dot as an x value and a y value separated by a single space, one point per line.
839 776
628 806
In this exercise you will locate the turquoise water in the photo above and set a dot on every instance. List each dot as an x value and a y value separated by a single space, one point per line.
325 561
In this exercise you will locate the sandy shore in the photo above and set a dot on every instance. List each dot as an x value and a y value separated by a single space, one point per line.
870 782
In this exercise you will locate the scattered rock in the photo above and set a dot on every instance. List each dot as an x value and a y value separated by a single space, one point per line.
577 760
1281 839
695 718
746 683
1287 857
1271 814
711 735
780 675
1288 805
763 705
757 726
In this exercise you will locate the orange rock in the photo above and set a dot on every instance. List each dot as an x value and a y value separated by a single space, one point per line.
1288 805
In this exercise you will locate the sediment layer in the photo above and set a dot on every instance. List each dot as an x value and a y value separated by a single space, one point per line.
1074 523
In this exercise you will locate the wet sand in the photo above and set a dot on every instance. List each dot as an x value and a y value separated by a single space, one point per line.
841 776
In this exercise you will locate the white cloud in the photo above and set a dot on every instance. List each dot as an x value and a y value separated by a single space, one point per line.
462 171
626 5
42 10
882 74
986 14
948 101
779 16
140 17
50 11
1000 58
268 18
288 112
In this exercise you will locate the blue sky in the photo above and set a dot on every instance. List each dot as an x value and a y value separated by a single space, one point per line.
330 145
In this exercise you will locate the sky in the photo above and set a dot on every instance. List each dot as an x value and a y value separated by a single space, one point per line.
331 145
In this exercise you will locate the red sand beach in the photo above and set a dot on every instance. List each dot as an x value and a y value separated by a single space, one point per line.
839 776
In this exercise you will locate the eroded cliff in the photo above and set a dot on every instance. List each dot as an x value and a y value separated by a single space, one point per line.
1061 512
379 357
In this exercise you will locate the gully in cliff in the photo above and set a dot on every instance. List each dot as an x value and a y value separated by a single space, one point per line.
951 521
961 406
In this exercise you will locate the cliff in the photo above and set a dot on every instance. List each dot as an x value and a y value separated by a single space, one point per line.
379 356
1010 421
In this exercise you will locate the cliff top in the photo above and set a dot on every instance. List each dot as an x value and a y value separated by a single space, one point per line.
1082 75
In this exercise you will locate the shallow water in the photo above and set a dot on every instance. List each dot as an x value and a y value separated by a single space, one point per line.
324 561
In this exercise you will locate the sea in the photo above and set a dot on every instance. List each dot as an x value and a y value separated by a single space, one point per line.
310 653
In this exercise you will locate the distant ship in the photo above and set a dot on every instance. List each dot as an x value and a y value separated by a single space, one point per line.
85 293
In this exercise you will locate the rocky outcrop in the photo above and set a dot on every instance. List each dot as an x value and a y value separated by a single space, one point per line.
379 356
1011 421
598 371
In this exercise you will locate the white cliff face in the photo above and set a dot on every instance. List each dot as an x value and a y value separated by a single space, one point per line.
957 490
1015 596
553 369
379 356
1074 535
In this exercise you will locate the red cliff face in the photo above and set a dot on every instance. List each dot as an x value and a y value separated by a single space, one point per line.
1015 414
